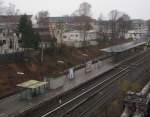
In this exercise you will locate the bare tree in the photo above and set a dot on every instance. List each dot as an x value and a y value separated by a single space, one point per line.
2 8
148 32
86 26
124 24
83 19
85 9
60 30
100 22
75 13
148 24
42 18
11 10
83 25
114 15
102 29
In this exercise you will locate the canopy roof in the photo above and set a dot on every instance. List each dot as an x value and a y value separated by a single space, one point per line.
32 84
123 47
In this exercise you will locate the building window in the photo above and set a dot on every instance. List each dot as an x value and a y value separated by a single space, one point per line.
64 36
45 45
11 44
1 42
4 34
4 41
1 30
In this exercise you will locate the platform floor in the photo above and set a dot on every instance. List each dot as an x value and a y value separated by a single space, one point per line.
11 106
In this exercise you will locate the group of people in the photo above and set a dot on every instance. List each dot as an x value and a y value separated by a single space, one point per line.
88 68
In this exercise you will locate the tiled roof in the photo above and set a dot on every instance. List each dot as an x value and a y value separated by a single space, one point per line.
70 19
10 18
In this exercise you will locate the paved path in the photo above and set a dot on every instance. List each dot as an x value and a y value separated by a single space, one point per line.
11 106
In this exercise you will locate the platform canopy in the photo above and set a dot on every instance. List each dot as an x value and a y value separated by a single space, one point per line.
123 47
32 84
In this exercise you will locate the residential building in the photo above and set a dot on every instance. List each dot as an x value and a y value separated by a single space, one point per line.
11 21
76 38
139 25
135 34
60 25
9 42
9 39
45 36
139 30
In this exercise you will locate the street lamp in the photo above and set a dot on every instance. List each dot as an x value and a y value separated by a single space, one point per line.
85 56
42 53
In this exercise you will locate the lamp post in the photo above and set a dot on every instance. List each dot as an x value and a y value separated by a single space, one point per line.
84 60
54 36
42 53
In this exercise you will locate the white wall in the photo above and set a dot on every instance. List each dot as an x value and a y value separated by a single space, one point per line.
136 34
79 36
72 36
5 48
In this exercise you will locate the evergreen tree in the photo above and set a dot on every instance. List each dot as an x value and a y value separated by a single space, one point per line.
29 39
36 40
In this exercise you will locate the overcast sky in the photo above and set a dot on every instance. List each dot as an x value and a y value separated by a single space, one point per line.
135 8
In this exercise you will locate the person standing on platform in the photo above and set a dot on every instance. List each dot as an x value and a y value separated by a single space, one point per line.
71 73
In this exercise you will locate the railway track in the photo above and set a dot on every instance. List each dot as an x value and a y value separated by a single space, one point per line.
84 97
99 96
84 109
99 100
74 99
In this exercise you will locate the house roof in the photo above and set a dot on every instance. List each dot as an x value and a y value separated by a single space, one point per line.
70 19
92 31
32 84
60 19
137 31
79 31
11 18
138 21
44 34
10 21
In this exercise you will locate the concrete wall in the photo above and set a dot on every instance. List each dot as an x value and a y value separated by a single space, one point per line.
54 83
79 44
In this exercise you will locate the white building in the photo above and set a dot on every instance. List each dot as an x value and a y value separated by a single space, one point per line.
76 37
9 42
73 36
139 29
139 25
135 34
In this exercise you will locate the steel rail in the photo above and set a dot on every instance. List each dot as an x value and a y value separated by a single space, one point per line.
95 93
89 91
101 83
83 113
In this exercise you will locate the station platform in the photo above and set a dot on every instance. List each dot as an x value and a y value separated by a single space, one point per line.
12 106
122 51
